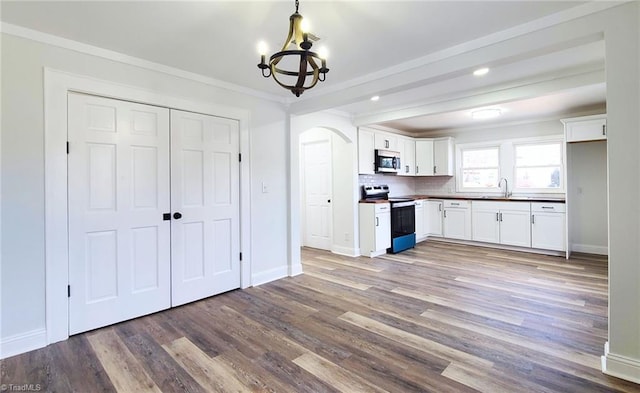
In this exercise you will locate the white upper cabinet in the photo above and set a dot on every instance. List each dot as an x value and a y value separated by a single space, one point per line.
424 157
407 149
418 157
366 159
386 141
443 157
586 128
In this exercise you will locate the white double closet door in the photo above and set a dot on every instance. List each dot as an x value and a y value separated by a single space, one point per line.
131 167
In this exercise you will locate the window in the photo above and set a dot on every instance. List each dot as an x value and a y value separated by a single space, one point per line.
538 166
480 167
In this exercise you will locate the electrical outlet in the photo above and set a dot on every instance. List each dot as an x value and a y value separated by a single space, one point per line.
265 188
347 237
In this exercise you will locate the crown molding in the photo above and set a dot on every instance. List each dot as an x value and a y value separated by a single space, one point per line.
45 38
460 49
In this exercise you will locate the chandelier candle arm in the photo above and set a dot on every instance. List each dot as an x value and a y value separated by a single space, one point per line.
307 60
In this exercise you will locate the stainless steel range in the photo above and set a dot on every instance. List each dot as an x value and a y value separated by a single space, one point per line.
403 216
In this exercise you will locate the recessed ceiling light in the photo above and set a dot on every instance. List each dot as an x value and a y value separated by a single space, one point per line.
375 98
481 71
488 113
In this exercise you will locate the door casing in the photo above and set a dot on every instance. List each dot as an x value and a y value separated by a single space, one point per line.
57 85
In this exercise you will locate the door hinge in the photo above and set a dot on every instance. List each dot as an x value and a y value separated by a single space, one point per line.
240 256
67 147
240 157
68 290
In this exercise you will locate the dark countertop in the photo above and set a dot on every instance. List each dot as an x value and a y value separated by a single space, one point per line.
473 198
373 201
489 198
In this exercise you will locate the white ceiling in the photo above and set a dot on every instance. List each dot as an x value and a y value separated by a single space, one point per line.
368 42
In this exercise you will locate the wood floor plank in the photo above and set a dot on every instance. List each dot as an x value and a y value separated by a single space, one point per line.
339 378
418 342
441 317
124 370
213 375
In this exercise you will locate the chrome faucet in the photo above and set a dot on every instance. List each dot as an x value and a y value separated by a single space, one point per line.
507 194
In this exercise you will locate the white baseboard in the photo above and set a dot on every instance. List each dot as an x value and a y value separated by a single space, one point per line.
23 342
346 251
270 275
295 270
590 249
620 366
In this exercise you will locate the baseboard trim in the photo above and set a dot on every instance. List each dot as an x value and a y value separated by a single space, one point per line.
346 251
23 342
498 246
270 275
620 366
590 249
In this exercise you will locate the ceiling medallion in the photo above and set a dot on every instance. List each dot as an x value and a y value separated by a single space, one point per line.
299 64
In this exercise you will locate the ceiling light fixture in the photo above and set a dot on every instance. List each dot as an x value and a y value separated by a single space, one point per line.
488 113
375 98
481 71
304 63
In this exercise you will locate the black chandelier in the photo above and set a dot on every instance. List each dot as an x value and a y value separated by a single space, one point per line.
304 62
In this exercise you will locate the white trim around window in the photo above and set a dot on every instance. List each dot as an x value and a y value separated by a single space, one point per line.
507 165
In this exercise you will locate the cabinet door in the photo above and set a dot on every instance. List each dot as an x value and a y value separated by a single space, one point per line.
548 231
383 231
457 224
586 130
366 160
424 157
386 141
485 225
443 157
420 222
515 228
433 218
407 149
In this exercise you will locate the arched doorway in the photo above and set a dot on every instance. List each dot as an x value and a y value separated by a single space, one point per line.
340 135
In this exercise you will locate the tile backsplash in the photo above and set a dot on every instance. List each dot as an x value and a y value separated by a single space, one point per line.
403 185
436 185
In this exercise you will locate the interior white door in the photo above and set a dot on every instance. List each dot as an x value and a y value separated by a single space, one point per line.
316 158
205 189
118 190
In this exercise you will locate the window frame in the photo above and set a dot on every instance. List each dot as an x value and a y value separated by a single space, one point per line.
538 142
460 149
507 162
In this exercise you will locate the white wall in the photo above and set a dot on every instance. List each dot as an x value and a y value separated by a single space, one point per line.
345 192
622 48
23 262
341 184
587 193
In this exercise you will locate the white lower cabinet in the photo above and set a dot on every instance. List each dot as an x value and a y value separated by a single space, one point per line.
457 219
502 223
548 226
433 217
421 220
375 228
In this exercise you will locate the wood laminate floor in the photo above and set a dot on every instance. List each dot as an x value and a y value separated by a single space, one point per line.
438 318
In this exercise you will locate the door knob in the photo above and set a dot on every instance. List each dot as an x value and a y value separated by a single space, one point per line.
177 215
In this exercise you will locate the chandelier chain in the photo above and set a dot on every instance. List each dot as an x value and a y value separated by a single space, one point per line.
297 4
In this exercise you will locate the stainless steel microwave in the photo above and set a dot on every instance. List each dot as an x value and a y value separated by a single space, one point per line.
387 161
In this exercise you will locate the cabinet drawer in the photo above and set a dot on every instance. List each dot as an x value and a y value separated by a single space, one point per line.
382 207
460 204
548 207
